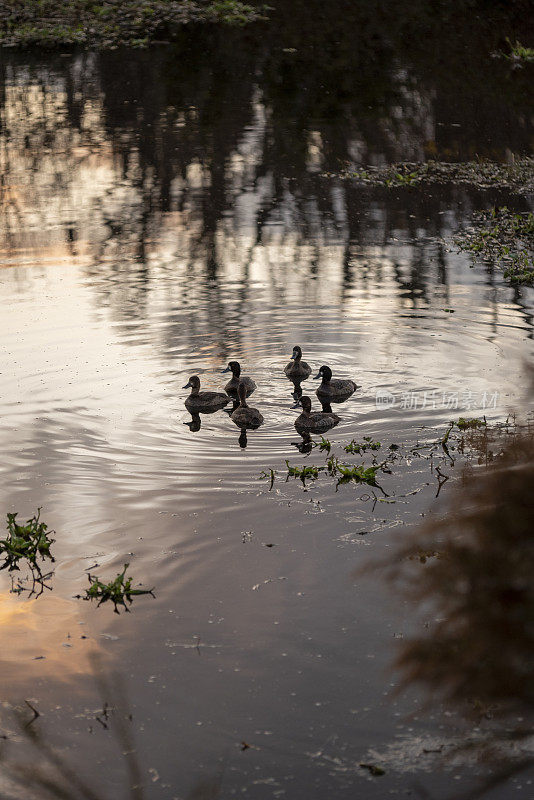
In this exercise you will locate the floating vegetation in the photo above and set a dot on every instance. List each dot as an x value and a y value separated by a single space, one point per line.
268 474
359 473
361 447
503 238
466 424
323 445
305 472
118 591
518 176
116 22
471 438
27 544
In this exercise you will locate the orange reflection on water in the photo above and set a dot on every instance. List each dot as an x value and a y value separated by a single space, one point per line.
41 638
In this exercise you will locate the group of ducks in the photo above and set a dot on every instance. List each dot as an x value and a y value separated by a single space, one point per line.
241 386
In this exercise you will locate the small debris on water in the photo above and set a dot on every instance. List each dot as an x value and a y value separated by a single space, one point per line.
373 769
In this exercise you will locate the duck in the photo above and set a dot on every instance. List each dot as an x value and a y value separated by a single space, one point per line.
297 368
203 401
336 390
232 386
244 416
318 422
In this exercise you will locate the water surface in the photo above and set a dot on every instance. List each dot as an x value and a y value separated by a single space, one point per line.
164 213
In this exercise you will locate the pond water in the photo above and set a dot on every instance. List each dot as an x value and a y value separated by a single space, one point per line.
165 212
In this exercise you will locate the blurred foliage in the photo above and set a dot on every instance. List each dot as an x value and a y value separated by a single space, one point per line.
478 649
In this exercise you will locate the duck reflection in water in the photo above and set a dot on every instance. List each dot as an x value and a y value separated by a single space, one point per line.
297 389
318 422
306 445
195 423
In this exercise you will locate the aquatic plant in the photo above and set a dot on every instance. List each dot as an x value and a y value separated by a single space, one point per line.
324 444
268 474
483 174
27 544
359 473
305 472
361 447
117 591
466 424
518 52
504 238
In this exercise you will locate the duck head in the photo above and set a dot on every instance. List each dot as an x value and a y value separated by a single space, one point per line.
297 353
305 404
234 367
194 383
325 373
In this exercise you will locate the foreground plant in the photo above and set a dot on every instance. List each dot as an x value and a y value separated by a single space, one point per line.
118 591
479 591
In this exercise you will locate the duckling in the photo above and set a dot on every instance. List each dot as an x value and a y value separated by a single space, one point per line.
244 416
203 401
296 367
318 422
232 386
336 390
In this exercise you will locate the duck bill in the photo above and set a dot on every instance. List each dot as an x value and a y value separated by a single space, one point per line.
226 370
317 376
297 405
187 385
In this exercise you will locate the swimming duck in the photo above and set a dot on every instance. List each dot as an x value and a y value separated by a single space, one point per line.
336 390
244 416
232 386
296 367
203 401
318 422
